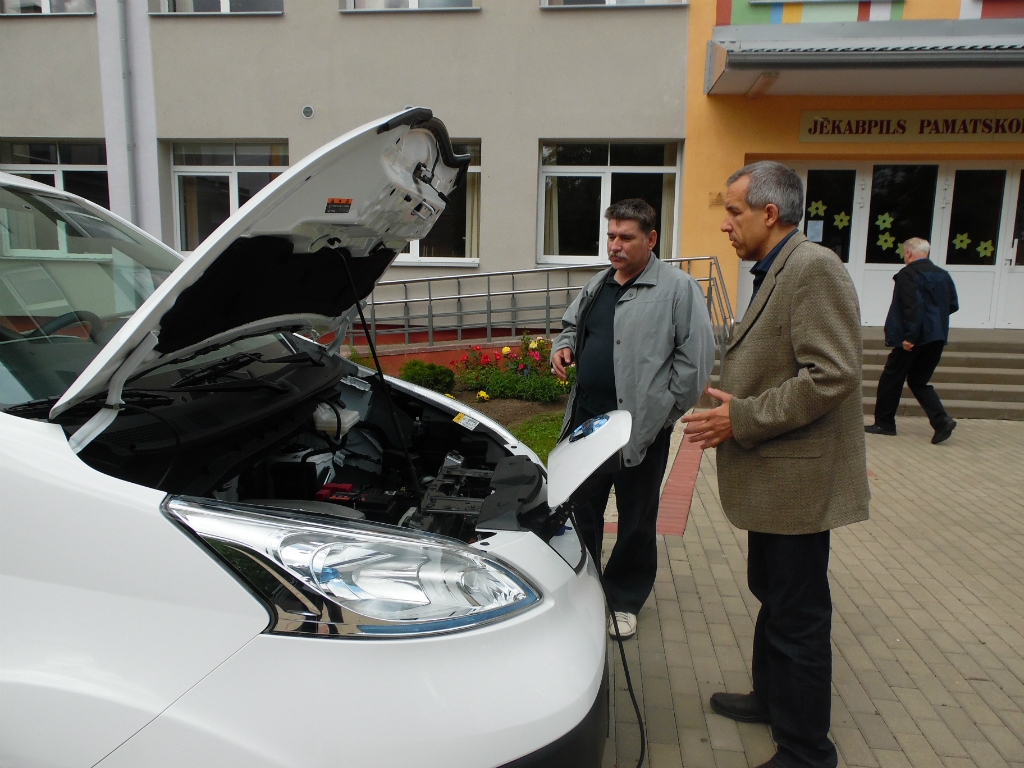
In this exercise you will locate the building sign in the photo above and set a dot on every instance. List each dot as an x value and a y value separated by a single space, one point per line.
974 125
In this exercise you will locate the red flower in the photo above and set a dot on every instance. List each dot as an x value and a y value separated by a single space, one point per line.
485 359
521 366
465 358
497 356
476 348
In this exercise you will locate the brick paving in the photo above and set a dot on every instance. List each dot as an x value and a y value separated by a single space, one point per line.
928 628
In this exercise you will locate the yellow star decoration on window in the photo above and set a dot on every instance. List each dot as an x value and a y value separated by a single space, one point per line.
842 220
884 221
960 242
886 241
985 249
817 208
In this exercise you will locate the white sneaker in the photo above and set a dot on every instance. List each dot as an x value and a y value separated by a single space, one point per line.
626 623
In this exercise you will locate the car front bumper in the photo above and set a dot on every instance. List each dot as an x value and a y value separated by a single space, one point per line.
528 692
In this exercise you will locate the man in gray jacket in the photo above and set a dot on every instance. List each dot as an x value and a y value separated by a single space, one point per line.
641 339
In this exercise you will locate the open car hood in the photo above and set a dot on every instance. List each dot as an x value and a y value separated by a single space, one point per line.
278 264
584 453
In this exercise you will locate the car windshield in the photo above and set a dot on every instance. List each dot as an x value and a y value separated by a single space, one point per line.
69 278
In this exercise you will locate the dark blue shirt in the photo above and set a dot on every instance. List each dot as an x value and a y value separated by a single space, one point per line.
760 269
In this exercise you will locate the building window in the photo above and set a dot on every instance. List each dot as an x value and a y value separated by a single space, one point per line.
216 6
607 3
456 233
578 181
20 7
79 167
213 180
410 5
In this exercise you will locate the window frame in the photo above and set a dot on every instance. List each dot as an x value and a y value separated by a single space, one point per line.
623 4
605 172
58 168
348 6
45 10
225 10
231 171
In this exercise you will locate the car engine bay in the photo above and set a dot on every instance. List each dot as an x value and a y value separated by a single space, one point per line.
310 431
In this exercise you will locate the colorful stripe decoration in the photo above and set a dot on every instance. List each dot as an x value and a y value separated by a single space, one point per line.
810 11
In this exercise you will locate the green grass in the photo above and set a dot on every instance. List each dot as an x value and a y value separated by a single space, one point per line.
540 433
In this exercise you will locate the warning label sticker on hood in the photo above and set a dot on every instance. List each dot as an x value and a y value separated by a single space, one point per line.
338 205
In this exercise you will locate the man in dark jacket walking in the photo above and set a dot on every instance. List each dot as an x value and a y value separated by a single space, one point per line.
917 328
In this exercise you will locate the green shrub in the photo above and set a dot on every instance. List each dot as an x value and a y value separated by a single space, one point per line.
429 375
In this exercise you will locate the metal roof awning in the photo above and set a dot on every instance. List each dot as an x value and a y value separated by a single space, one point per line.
868 58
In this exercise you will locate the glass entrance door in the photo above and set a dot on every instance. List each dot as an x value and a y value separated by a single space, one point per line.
1010 259
973 212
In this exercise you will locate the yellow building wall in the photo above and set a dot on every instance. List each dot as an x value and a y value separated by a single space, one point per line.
723 133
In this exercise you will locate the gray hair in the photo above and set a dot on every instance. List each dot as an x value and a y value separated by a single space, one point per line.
772 182
917 245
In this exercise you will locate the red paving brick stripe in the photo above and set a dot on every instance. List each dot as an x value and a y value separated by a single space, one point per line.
675 499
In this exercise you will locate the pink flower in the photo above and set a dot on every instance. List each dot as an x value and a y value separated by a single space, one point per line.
535 356
521 366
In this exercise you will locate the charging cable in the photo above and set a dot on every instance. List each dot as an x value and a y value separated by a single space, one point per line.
622 650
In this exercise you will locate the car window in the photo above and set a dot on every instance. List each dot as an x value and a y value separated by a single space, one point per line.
70 276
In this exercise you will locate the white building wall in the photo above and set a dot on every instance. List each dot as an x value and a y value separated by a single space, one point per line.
510 75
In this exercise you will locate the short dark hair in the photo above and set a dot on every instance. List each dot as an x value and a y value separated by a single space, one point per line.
636 209
772 182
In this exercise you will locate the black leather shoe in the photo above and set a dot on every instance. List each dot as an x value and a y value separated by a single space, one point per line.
744 707
770 764
878 429
943 432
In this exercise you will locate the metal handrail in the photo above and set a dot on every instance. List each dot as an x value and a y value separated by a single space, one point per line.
498 308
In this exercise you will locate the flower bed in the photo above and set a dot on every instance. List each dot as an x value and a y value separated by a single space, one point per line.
522 372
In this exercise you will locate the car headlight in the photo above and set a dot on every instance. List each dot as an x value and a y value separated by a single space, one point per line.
341 578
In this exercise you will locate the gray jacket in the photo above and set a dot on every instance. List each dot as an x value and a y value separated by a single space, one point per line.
664 350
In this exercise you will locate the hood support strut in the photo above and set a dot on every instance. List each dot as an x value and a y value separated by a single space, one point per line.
345 255
104 417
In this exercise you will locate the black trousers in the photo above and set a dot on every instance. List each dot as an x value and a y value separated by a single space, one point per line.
792 661
915 368
633 563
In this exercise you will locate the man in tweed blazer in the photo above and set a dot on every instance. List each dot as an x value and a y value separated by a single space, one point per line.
791 458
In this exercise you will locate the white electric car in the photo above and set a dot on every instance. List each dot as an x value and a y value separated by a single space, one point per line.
222 544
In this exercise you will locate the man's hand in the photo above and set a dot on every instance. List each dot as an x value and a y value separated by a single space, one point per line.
713 427
908 345
559 360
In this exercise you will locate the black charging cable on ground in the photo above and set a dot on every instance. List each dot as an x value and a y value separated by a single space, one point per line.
380 373
622 650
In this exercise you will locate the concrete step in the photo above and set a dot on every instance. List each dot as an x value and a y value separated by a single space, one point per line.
1004 346
958 409
1002 393
959 359
952 373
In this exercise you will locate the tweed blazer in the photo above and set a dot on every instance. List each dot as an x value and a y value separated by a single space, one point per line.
797 461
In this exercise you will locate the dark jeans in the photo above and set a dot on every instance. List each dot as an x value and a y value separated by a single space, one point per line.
915 368
633 563
792 662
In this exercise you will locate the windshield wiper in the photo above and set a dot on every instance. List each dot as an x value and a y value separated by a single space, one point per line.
220 368
43 406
